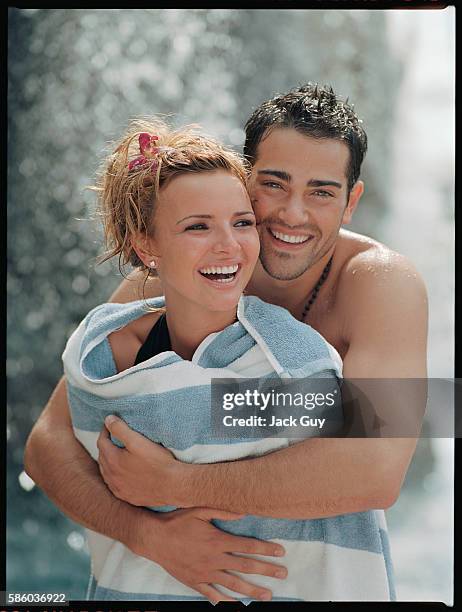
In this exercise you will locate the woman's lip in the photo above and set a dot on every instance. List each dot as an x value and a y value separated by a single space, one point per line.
219 285
288 245
222 265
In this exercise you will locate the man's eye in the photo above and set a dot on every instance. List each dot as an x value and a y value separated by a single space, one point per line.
244 223
272 185
196 226
323 194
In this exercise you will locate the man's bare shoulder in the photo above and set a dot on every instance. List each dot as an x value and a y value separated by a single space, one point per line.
136 287
373 276
367 262
383 301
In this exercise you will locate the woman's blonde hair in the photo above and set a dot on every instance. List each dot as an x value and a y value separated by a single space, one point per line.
127 197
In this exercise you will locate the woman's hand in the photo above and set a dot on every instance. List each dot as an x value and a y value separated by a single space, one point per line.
201 556
143 473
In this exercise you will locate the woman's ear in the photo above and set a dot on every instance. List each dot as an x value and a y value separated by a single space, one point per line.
145 248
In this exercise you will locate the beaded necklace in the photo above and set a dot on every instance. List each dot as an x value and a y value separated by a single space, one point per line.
314 292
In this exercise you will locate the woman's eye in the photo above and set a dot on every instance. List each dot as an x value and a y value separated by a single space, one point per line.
245 223
197 226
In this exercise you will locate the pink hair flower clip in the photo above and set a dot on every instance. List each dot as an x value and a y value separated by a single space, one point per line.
148 151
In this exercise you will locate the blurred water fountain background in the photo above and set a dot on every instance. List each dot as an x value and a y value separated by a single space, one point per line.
76 76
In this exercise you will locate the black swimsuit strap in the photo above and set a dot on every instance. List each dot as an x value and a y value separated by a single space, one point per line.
158 341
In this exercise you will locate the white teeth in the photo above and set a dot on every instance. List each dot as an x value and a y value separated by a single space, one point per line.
287 238
220 269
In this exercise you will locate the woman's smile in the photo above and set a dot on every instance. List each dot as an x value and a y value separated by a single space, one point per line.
222 275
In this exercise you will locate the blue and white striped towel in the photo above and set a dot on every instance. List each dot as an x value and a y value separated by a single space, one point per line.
167 398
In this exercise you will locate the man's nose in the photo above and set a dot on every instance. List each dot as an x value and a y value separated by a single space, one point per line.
294 211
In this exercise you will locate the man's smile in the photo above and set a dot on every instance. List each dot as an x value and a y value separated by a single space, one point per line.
292 241
292 238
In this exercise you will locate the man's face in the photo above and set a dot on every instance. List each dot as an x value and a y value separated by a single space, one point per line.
299 193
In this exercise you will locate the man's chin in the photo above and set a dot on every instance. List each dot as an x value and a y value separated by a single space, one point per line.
283 272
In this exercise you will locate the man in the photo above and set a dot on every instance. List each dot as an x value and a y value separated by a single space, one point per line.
306 149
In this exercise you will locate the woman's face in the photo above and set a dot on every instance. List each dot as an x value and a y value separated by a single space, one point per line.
205 239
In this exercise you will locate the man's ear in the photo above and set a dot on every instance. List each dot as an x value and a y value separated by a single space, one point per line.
145 248
353 199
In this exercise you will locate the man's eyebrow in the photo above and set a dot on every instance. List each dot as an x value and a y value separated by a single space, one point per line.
323 183
284 176
236 214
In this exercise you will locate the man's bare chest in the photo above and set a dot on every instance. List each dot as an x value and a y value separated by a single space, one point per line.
329 321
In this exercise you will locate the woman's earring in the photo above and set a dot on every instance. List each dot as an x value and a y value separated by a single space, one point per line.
152 264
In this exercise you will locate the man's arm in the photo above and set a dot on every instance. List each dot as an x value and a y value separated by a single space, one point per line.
134 287
183 542
319 477
74 483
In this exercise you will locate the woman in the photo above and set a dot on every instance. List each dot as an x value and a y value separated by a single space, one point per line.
179 208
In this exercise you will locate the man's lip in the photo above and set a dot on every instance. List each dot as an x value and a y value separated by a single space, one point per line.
289 245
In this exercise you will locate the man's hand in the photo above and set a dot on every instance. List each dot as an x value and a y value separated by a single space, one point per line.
143 473
186 544
185 541
202 557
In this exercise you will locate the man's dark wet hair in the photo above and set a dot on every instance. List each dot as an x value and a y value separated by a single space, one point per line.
313 110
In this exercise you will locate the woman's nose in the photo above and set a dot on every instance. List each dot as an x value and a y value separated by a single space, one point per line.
225 242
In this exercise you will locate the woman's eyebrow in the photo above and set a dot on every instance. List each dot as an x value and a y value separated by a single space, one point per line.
195 217
236 214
